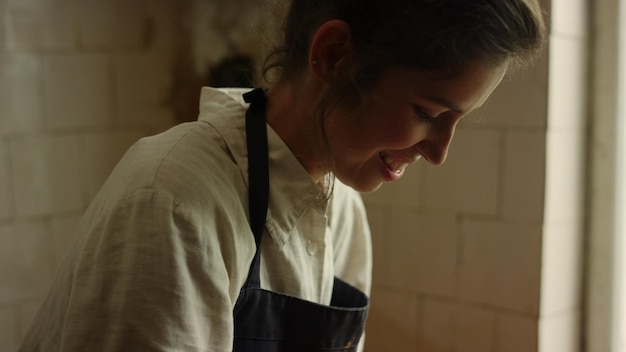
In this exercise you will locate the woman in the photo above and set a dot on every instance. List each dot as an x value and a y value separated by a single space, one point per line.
233 234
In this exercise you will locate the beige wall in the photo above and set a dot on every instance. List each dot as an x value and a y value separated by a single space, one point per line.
481 254
79 82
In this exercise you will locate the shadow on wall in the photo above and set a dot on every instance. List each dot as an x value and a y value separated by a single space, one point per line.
231 72
192 71
223 42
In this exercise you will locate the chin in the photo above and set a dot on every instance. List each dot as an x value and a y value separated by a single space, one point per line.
369 189
362 186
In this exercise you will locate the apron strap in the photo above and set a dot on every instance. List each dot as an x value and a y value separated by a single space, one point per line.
258 176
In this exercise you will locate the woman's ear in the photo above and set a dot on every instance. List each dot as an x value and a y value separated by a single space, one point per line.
331 49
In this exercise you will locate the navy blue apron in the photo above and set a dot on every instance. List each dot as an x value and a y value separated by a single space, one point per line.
266 321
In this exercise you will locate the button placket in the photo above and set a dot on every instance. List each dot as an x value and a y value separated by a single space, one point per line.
312 247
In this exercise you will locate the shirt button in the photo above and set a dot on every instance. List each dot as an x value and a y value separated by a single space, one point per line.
312 247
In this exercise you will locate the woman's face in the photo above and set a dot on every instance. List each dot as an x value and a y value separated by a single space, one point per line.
408 115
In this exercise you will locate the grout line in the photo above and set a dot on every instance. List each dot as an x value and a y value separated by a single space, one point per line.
10 177
501 185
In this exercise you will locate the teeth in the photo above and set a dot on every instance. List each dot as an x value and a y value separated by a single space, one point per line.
393 164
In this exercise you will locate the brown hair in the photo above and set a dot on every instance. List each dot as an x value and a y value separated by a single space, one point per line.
441 35
422 34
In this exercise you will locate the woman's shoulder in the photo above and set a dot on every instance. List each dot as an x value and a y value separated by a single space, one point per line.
191 163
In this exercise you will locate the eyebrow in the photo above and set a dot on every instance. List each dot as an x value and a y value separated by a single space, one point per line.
446 103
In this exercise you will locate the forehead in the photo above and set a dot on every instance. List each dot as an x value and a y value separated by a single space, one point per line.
463 92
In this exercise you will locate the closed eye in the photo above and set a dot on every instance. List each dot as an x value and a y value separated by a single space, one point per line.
423 115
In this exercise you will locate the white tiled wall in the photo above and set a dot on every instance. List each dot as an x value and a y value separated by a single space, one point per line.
79 82
524 165
47 175
78 91
21 104
446 325
6 192
113 24
8 333
417 255
516 333
25 263
500 264
465 183
396 320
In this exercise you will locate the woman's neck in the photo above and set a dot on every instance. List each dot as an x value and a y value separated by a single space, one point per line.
291 113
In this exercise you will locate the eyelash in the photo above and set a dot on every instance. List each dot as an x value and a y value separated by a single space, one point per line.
422 115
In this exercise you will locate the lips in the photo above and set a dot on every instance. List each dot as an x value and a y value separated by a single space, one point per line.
394 165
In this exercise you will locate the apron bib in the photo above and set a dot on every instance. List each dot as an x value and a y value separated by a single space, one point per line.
266 321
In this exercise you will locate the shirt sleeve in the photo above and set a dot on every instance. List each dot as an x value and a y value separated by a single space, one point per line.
153 276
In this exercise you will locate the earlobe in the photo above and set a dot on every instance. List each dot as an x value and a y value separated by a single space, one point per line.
331 49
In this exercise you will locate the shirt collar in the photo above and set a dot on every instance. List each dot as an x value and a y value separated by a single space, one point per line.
292 191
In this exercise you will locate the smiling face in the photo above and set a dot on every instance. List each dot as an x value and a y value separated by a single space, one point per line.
407 115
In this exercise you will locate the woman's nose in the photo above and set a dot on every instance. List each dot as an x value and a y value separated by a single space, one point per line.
435 148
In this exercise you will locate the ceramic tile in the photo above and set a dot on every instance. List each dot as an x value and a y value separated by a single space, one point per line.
20 94
521 100
517 334
47 175
562 267
6 198
568 84
468 181
64 233
113 24
24 261
402 193
102 152
31 192
391 322
436 326
560 333
8 334
157 119
143 87
421 252
78 91
165 15
501 265
564 194
27 313
2 27
474 329
41 29
377 221
524 176
37 4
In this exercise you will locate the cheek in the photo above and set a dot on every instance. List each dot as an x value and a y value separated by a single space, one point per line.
377 128
396 130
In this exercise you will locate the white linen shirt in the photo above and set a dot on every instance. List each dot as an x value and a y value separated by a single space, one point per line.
165 246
